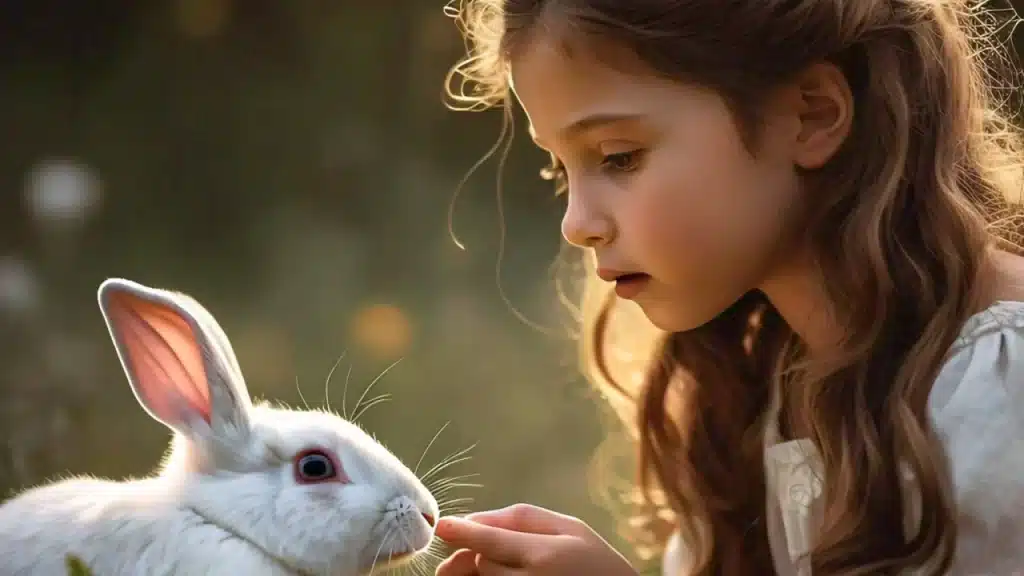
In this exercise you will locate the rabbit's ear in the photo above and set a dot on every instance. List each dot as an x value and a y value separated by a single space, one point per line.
180 365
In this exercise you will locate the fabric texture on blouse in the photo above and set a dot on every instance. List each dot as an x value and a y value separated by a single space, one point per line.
977 409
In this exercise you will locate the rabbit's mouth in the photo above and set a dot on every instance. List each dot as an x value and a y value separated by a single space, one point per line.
234 534
385 563
394 560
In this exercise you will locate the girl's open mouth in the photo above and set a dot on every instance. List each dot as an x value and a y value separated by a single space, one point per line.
629 285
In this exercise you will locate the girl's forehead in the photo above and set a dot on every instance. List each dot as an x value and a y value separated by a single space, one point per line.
559 88
583 63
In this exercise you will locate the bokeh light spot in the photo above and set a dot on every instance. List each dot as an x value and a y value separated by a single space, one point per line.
203 18
383 329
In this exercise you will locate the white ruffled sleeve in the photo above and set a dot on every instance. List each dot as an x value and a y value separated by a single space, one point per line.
977 406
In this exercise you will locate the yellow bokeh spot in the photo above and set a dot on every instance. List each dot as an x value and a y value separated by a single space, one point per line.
203 18
383 329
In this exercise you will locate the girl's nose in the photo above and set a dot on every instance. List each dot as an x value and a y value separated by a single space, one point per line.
585 226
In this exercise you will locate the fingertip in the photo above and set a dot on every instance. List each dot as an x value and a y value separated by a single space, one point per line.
483 565
450 527
461 563
450 521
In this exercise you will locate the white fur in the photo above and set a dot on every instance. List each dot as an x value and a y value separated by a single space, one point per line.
225 500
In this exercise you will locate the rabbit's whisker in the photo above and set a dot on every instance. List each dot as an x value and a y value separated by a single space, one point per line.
370 404
455 458
327 384
419 563
453 501
442 485
431 556
299 390
356 412
431 553
445 461
344 392
429 444
405 540
453 486
447 504
383 541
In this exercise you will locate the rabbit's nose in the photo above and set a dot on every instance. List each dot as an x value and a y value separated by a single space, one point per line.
429 518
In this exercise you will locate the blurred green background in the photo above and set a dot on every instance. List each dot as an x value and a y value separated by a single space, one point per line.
291 165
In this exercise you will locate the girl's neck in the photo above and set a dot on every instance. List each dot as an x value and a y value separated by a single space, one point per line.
798 293
1002 278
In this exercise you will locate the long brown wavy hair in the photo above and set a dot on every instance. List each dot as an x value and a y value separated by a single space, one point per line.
926 184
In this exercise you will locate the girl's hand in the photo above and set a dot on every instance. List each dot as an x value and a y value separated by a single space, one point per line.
525 540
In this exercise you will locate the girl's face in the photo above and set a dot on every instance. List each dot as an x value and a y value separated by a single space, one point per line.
660 184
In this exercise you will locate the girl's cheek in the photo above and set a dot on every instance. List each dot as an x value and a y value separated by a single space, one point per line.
665 230
672 210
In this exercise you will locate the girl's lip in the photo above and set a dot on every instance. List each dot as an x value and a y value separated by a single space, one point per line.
629 286
611 274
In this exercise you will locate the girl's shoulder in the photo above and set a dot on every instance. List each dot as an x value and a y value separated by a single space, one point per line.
985 362
977 411
981 385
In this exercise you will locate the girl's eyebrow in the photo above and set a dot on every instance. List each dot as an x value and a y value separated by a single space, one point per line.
592 121
589 122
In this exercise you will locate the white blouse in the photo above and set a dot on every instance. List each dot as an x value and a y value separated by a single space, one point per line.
977 408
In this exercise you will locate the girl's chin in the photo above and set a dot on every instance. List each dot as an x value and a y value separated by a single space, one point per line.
672 317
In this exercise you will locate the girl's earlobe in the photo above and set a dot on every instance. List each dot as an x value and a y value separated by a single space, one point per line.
826 114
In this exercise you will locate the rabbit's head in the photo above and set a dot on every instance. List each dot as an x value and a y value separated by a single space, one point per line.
308 489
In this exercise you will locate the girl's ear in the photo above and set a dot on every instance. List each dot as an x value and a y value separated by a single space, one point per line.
825 111
178 361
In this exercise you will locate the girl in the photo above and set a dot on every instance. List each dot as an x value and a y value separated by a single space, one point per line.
814 202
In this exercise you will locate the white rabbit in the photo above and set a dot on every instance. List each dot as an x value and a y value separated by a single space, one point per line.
244 489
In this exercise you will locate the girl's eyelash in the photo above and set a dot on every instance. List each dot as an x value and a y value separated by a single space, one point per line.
619 162
622 161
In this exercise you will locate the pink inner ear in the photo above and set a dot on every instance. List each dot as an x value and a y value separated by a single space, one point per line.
162 355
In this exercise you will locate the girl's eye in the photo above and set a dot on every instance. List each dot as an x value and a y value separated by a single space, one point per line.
618 162
315 466
622 161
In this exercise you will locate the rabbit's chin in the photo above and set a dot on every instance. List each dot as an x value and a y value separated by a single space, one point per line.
383 563
394 561
414 542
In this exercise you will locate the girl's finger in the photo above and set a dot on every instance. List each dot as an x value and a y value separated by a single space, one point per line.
487 567
461 563
527 518
505 546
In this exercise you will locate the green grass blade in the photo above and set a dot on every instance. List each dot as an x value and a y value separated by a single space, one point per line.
75 566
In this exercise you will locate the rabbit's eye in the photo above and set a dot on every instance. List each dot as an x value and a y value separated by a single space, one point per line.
315 466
